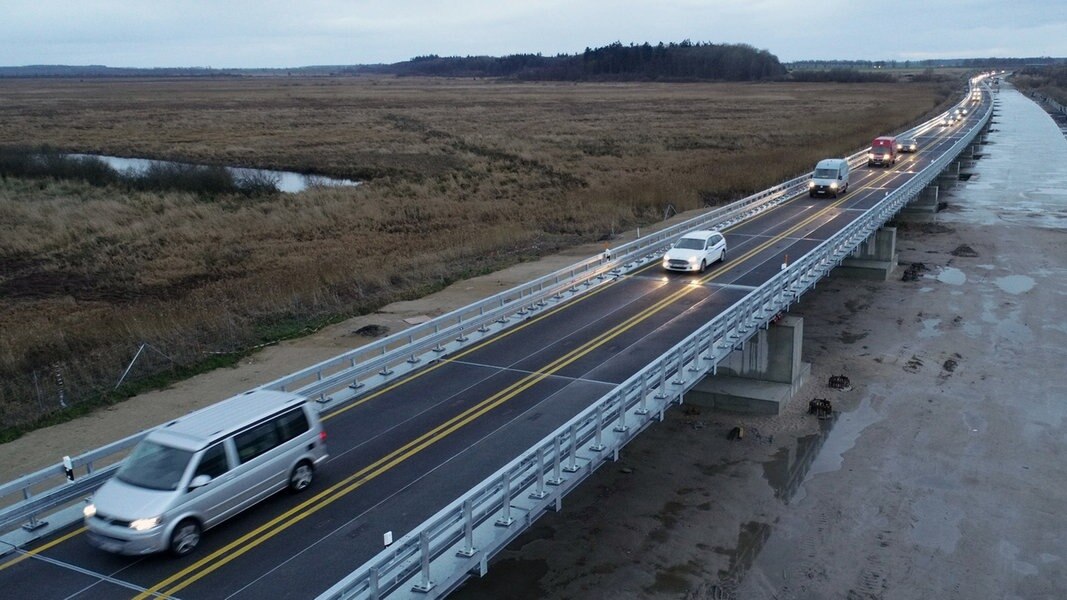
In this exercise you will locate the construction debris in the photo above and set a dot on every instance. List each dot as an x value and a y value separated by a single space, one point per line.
914 271
821 408
840 382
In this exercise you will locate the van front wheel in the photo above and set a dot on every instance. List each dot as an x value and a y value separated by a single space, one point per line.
186 538
301 476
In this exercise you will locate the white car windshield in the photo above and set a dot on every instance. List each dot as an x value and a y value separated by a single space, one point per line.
825 173
154 466
690 244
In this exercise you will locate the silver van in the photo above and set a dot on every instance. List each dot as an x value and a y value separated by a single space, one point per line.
829 177
197 471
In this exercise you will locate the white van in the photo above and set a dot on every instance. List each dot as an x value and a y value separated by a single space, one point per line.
201 469
829 177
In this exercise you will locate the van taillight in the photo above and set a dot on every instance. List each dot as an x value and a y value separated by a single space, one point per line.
322 435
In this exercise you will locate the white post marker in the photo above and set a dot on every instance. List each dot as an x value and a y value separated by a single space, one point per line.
68 468
388 538
785 263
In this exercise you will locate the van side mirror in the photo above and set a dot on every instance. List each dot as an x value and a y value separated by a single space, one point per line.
199 481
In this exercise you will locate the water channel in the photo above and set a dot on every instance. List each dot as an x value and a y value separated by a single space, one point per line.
286 181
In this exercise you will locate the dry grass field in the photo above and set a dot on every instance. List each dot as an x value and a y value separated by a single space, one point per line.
461 176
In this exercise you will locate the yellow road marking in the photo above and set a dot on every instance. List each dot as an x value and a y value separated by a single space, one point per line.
243 544
40 549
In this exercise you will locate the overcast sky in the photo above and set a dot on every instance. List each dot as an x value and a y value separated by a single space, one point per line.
290 33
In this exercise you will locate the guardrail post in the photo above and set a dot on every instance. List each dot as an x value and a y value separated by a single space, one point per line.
372 585
540 493
506 519
424 549
573 460
33 524
598 445
557 463
436 332
622 427
386 371
661 394
642 409
679 375
468 550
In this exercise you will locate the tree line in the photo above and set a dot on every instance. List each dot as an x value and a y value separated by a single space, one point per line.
683 61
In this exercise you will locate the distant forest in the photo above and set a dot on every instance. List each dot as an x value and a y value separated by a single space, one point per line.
684 61
678 62
681 61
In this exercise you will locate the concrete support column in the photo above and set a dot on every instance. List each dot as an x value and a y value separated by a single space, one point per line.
762 376
874 259
925 202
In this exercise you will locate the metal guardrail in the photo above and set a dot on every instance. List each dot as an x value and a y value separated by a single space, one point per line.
438 555
355 372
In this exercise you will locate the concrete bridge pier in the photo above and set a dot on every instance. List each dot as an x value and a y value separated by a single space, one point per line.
950 175
874 259
925 203
762 376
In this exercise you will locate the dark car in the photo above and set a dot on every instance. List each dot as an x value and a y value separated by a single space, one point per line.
907 145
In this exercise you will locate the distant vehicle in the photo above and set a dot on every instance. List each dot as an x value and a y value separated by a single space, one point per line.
883 152
201 469
907 145
947 120
829 177
696 250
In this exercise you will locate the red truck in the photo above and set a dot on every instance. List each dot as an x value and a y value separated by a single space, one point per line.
883 152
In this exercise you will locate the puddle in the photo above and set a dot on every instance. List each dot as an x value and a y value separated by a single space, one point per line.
846 430
786 471
930 328
952 276
286 181
1015 284
750 541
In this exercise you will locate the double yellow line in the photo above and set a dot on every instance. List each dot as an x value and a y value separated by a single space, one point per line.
250 540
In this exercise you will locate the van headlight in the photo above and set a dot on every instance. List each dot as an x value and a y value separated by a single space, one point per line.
145 524
833 186
811 184
89 511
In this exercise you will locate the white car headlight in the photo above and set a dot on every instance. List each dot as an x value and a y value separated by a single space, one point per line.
811 184
692 260
89 511
145 524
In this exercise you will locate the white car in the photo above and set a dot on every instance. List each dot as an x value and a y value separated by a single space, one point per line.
694 251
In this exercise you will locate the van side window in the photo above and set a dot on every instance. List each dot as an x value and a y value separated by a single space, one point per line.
213 462
256 441
291 424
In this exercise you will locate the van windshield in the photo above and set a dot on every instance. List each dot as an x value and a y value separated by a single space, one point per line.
825 173
154 466
690 244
